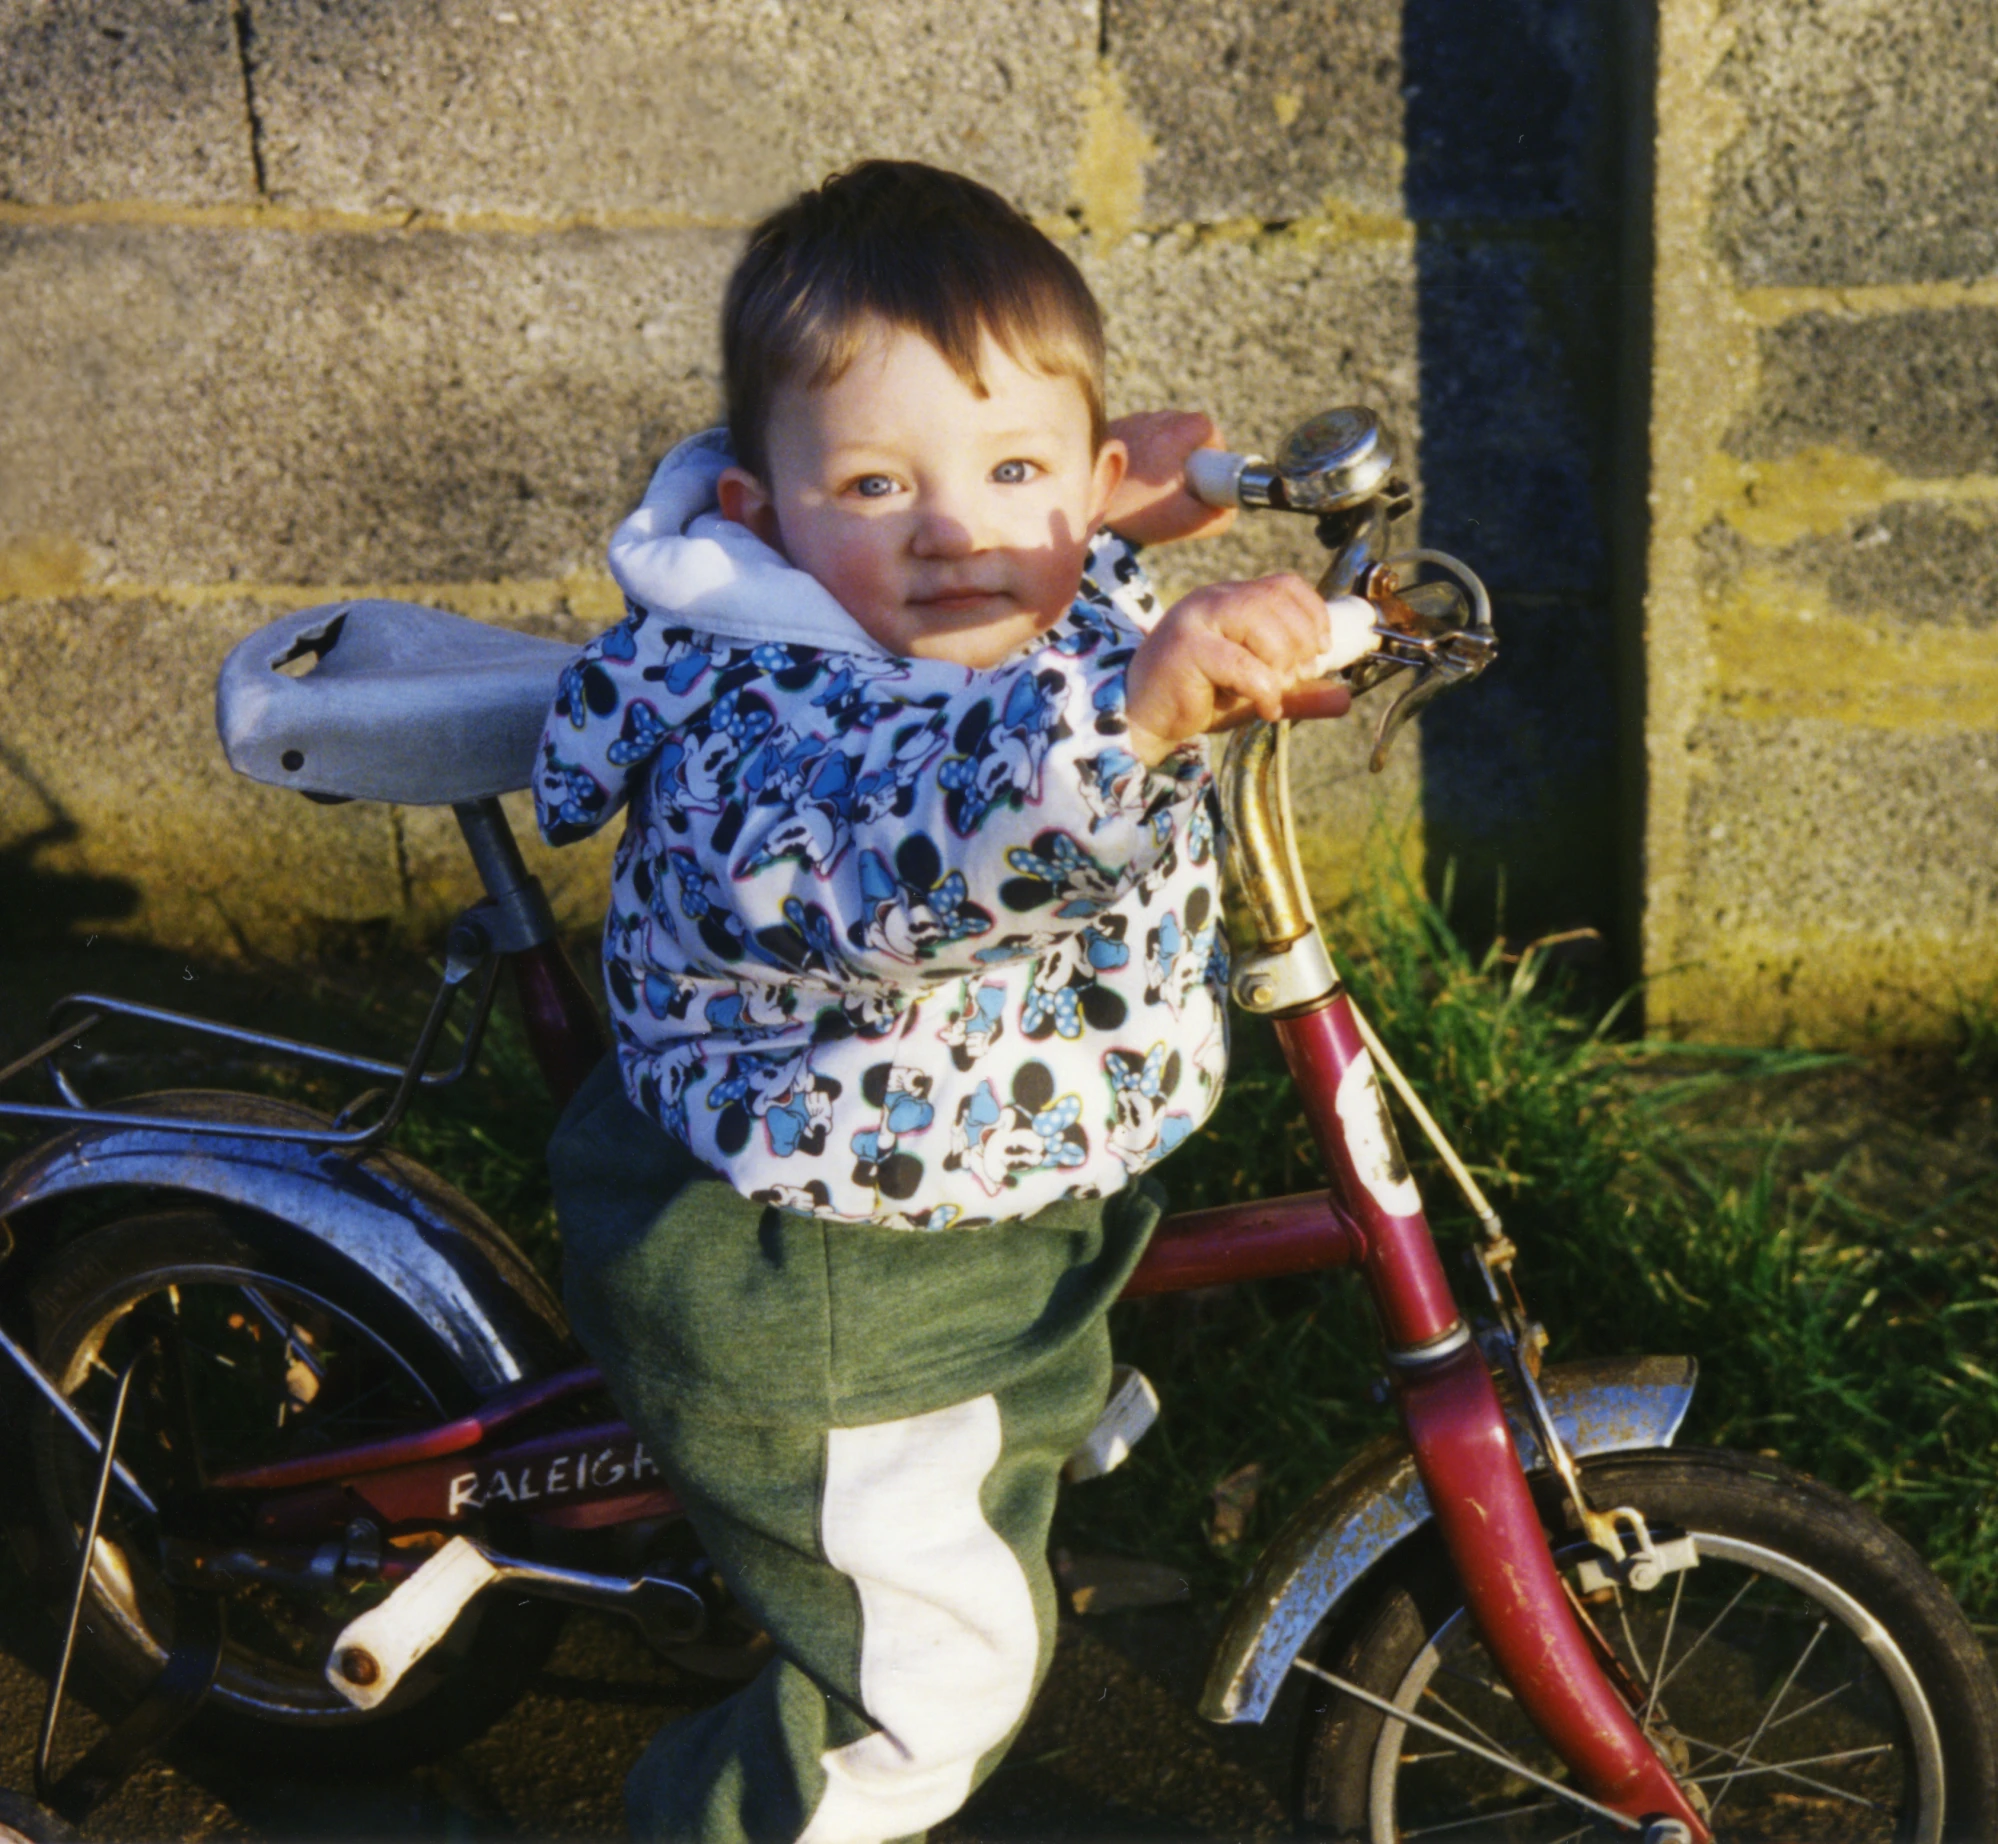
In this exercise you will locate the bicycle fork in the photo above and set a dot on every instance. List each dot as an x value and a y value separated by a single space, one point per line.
1449 1408
1457 1433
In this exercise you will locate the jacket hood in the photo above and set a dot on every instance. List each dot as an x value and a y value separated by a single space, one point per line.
677 556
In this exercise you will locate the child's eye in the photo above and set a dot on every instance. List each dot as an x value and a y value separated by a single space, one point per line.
874 486
1015 473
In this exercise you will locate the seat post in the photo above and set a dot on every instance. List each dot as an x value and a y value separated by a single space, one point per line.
564 1030
525 918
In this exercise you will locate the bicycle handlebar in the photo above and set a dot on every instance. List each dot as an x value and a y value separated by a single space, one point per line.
1339 466
1214 475
1353 634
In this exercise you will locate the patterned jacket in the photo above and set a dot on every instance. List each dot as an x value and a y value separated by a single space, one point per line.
890 940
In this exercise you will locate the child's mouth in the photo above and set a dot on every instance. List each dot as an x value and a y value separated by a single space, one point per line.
955 601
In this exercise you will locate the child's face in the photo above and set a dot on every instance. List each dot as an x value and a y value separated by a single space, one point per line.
950 526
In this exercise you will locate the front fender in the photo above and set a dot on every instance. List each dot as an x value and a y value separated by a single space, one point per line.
1376 1501
428 1244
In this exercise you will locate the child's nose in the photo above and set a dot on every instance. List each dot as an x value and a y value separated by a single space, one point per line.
950 525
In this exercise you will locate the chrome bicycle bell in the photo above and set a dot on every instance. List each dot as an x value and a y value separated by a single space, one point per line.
1340 458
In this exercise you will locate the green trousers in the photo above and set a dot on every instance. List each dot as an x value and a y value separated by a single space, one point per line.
866 1427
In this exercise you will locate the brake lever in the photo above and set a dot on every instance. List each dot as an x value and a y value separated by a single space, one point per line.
1440 655
1339 466
1439 675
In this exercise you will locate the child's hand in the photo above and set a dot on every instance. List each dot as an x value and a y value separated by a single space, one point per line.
1152 505
1226 653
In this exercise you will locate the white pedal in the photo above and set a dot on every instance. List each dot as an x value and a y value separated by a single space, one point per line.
1131 1410
375 1650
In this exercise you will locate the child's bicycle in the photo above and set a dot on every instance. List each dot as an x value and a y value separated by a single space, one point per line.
319 1460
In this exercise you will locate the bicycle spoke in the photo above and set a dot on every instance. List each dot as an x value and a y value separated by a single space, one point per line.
1759 1671
1805 1709
1734 1750
1733 1602
1491 1686
1664 1650
1569 1795
349 1420
1803 1658
1484 1735
1748 1769
295 1340
1817 1702
1630 1639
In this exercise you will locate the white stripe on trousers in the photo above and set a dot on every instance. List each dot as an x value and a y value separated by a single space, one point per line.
947 1638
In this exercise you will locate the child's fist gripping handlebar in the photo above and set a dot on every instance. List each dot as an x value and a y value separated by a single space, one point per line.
1237 650
1154 502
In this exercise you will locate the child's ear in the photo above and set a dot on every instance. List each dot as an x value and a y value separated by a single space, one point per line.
1111 461
745 500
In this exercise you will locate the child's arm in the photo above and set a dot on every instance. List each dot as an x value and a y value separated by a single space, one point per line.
1224 653
616 704
1152 505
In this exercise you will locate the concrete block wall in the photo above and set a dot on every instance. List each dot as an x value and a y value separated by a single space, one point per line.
303 300
300 300
1822 737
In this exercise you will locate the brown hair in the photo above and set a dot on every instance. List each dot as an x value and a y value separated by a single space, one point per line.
922 249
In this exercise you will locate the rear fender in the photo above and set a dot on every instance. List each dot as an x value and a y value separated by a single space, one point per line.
1376 1502
427 1244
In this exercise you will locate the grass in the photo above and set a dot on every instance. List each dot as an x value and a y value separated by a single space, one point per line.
488 1135
1854 1339
1976 1036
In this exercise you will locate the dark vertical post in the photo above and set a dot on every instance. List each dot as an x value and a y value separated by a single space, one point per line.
1511 185
1634 92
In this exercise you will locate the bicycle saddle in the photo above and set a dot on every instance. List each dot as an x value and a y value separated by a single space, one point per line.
379 700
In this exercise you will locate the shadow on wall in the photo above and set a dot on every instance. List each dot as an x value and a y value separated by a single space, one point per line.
1511 182
40 907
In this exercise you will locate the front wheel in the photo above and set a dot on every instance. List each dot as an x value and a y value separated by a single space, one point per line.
1806 1677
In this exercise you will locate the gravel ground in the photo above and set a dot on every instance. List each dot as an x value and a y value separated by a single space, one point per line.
1112 1750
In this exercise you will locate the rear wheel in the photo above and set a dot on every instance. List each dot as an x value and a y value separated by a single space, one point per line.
1807 1677
260 1360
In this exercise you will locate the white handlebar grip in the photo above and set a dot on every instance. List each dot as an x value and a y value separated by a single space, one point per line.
1214 476
1351 618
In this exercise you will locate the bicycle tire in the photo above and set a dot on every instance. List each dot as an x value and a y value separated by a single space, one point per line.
219 1279
1895 1739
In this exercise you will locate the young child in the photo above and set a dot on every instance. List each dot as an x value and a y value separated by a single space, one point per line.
913 927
